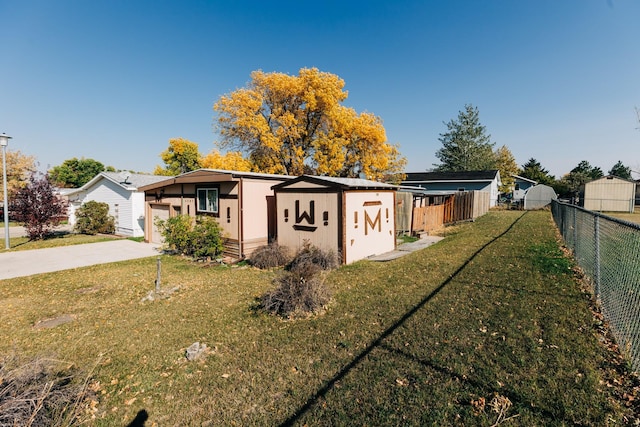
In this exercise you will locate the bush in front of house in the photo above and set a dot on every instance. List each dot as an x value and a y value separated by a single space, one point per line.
200 239
301 289
270 256
93 218
206 238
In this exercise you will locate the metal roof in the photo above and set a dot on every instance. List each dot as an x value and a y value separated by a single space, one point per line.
127 180
488 175
213 175
343 183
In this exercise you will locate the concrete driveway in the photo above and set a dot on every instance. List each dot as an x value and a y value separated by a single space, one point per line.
36 261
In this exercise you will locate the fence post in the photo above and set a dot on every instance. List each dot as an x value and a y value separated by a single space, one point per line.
575 228
596 273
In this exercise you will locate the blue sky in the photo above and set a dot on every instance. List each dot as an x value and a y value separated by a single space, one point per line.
556 80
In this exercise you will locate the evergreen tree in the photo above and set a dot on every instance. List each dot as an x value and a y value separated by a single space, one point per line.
621 171
533 170
585 168
466 146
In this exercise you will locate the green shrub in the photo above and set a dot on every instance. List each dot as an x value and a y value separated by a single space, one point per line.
206 238
270 256
93 218
200 239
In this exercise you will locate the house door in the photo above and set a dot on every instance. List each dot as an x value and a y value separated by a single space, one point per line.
272 219
162 212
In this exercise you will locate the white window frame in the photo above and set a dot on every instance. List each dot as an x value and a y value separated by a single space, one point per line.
211 200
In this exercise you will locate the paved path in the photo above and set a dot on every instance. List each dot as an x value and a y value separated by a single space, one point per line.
26 263
405 248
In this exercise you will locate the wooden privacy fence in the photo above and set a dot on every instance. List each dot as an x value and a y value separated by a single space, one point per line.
462 206
466 206
427 218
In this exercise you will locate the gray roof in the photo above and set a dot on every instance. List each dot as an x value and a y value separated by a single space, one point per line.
488 175
344 183
127 180
133 181
522 178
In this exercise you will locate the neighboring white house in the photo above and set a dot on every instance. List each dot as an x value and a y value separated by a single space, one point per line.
488 181
520 186
120 191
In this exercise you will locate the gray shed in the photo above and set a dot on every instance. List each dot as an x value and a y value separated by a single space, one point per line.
538 196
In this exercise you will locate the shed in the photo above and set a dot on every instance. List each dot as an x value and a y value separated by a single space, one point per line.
538 196
242 202
121 191
354 217
610 194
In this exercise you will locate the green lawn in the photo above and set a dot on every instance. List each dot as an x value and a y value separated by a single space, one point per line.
631 217
58 239
490 319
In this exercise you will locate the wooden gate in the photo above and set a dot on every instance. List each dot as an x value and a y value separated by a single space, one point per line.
427 218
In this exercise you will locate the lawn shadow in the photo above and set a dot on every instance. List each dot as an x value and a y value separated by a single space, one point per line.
511 394
378 342
141 417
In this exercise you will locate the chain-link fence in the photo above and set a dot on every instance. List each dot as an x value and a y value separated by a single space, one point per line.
608 251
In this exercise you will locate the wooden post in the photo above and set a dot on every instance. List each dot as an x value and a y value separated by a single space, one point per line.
158 268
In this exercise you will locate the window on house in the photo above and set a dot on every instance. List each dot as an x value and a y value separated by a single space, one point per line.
208 200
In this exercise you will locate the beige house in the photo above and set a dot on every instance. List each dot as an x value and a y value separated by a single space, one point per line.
242 202
610 194
355 217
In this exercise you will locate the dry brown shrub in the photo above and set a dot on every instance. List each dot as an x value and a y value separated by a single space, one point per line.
309 254
270 256
296 294
40 392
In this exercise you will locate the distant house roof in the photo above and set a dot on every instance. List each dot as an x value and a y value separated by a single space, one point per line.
522 178
339 183
466 176
611 177
212 175
127 180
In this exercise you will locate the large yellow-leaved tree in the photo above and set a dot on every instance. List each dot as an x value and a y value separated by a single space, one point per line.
507 166
296 124
19 169
232 160
181 156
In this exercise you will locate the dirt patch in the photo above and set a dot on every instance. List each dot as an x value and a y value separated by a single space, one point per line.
54 321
